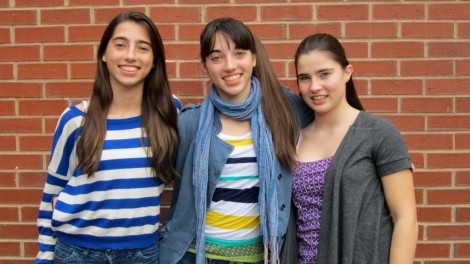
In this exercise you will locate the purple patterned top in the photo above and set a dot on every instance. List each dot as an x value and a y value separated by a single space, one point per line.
308 184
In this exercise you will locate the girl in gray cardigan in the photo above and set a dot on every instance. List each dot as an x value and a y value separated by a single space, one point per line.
353 187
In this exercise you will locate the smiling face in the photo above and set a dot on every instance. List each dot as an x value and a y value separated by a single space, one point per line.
230 69
322 81
128 56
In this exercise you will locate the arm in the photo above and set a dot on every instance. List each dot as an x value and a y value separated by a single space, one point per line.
399 194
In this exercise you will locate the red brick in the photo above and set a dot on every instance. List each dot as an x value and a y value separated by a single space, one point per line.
462 250
449 232
396 87
191 69
33 179
417 160
462 141
462 178
356 50
35 143
408 122
419 196
12 231
69 89
300 31
462 67
398 11
19 89
6 71
280 50
449 122
9 248
5 35
401 49
427 105
85 33
449 11
371 30
243 13
269 31
7 179
82 70
40 34
182 51
427 29
427 68
20 125
7 108
7 143
65 16
17 17
29 214
68 52
434 214
289 13
205 1
432 178
189 32
167 32
20 161
375 68
186 88
342 12
429 142
19 53
448 86
20 196
449 49
33 3
171 68
449 196
463 214
105 15
42 71
175 14
463 30
377 104
31 249
51 124
42 107
93 2
9 214
428 250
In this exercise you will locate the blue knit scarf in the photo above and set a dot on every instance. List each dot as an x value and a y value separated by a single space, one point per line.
268 204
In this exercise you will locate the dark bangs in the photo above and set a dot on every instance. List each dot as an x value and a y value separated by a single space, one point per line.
231 29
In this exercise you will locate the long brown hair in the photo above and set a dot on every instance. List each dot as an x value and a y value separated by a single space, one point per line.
276 107
326 42
159 115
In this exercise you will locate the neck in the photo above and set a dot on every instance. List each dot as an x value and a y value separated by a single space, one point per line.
127 103
344 115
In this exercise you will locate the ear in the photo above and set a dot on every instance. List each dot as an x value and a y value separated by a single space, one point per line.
254 61
348 71
203 67
103 58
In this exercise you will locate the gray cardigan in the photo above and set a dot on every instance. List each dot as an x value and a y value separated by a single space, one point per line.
356 226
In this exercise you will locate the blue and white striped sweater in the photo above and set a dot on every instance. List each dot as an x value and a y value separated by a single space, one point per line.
117 208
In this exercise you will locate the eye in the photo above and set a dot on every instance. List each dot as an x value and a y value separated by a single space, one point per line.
144 48
215 58
240 53
303 78
324 75
119 45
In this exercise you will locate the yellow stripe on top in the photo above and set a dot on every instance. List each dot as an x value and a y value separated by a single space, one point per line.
231 222
240 142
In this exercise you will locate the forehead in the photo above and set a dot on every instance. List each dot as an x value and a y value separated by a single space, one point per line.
223 42
131 30
316 59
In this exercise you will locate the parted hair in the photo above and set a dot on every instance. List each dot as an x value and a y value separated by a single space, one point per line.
276 108
159 114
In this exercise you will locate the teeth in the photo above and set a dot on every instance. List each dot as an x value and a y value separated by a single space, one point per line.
318 97
231 78
129 68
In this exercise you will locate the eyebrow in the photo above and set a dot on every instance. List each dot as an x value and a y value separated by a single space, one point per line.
138 41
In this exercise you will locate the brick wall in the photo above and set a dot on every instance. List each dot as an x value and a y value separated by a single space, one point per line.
411 61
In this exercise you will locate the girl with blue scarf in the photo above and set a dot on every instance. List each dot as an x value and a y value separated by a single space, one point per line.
232 201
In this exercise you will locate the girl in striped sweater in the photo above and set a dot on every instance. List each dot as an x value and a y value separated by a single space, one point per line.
111 158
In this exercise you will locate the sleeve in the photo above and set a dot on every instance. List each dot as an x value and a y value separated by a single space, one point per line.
390 151
61 166
178 104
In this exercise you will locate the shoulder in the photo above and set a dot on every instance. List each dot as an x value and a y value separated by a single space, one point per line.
367 120
189 116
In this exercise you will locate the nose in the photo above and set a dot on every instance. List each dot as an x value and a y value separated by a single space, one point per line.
229 64
130 53
315 86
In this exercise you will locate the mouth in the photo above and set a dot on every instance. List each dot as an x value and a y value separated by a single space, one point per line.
319 97
129 68
232 77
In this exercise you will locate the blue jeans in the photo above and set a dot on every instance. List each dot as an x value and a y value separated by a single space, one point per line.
190 258
68 254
